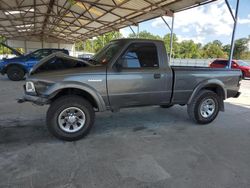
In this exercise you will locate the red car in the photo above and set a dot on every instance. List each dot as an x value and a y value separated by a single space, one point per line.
236 64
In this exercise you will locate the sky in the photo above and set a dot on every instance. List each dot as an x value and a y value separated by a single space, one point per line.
203 24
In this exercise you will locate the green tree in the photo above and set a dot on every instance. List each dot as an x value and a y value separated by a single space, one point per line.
94 45
3 49
226 49
184 49
87 45
241 47
241 50
145 35
245 55
213 50
102 40
217 43
2 38
189 49
176 46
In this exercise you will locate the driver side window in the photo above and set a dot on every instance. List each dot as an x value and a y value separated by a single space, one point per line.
140 56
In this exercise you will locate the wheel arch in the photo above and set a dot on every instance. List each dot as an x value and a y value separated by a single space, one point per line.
81 90
213 85
14 64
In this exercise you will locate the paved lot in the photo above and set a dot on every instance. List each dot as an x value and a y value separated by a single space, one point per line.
141 147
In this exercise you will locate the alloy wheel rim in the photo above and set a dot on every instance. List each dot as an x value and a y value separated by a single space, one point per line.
71 119
207 108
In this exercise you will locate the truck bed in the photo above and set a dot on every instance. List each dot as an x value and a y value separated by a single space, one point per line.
187 78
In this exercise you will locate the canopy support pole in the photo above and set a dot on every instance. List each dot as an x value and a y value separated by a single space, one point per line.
132 30
171 34
235 18
138 31
171 40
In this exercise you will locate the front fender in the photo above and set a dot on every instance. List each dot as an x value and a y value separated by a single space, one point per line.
56 88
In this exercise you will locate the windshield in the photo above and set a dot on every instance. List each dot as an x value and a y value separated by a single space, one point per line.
106 54
243 63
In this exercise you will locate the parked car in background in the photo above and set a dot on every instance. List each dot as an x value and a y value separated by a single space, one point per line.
17 67
236 64
86 56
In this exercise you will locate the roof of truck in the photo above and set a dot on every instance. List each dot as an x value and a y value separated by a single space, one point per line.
137 39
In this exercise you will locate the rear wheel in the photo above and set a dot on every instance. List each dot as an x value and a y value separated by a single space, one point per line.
70 117
15 73
243 75
205 107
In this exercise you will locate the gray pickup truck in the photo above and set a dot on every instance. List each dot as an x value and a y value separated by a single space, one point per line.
126 73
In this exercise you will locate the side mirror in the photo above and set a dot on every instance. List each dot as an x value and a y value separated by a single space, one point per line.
104 61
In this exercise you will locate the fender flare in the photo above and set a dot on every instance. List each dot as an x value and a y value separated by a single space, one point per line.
4 70
55 89
211 83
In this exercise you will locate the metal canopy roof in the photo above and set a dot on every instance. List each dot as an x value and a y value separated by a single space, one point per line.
71 20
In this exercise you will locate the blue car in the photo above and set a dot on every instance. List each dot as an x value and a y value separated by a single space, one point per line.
17 67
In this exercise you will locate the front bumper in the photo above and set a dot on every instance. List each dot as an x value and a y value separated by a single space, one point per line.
34 99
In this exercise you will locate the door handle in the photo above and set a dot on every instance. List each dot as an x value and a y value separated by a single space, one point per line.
157 76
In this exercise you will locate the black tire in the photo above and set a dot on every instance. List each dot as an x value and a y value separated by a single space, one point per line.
15 73
194 108
166 106
243 75
65 102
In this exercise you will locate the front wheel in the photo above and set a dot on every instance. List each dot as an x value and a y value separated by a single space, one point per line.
15 73
70 118
204 108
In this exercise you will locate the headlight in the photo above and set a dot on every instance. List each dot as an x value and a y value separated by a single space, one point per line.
30 88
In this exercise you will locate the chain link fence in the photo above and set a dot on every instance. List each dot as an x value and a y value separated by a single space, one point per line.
194 62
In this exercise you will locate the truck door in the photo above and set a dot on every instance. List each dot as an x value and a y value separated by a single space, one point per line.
139 80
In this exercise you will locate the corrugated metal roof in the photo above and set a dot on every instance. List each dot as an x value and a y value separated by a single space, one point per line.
71 20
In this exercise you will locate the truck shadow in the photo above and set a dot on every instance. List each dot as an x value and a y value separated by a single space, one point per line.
129 121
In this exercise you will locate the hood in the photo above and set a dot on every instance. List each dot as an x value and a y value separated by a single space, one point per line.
55 56
12 49
59 75
13 59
